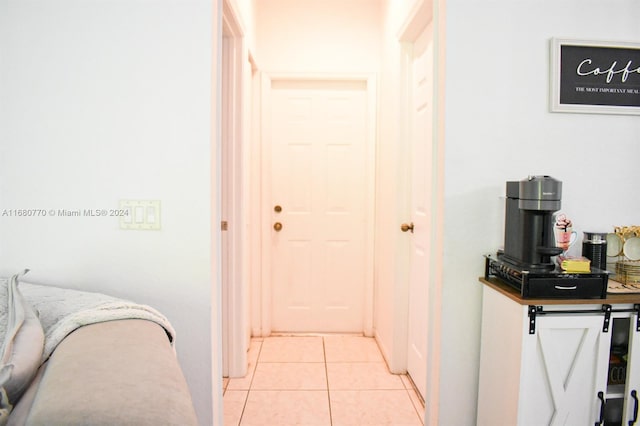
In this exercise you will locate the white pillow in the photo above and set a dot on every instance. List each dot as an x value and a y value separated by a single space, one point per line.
21 343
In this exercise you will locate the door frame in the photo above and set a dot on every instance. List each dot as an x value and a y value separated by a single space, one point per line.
233 259
262 322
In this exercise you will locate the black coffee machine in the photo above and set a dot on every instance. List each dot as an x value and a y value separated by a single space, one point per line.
525 262
529 242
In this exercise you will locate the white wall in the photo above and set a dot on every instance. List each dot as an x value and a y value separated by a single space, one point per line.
102 101
317 36
499 128
246 13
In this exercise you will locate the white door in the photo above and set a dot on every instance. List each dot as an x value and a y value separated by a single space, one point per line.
565 366
421 196
318 137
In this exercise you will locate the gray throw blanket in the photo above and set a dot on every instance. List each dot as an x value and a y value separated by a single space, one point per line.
61 311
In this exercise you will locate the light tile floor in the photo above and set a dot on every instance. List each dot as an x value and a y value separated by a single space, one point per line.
319 380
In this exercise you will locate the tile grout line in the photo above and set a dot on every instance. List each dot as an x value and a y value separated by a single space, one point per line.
414 389
326 373
407 389
416 409
253 375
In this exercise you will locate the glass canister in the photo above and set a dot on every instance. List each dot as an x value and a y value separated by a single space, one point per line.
594 247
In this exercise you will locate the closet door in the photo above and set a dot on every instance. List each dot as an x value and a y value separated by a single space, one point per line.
420 273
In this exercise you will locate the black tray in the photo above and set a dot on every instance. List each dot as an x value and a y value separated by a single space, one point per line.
555 284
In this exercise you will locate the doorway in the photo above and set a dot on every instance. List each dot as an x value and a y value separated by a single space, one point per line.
318 189
262 321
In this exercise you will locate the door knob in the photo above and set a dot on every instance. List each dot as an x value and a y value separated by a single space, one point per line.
277 226
407 227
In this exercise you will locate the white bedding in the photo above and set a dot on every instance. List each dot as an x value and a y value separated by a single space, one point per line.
62 311
21 345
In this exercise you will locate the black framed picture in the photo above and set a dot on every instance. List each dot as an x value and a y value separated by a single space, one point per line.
595 77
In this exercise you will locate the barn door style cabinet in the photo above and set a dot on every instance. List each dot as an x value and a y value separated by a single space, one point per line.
558 362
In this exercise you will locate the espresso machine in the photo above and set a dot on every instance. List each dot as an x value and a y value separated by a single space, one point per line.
528 241
527 261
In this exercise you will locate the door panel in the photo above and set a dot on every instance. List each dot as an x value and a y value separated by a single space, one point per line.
319 176
421 186
564 368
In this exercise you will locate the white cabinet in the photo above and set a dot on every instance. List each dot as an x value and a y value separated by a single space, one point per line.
549 363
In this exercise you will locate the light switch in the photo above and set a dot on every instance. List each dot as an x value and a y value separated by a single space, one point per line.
140 214
128 215
151 215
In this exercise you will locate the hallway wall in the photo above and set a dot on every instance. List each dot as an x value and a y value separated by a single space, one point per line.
103 101
499 128
318 36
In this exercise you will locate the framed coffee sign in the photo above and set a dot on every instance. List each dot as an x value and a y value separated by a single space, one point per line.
595 77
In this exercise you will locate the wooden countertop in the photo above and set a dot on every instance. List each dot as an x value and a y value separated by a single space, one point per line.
514 295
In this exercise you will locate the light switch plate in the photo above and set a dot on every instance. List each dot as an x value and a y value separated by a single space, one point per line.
140 214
